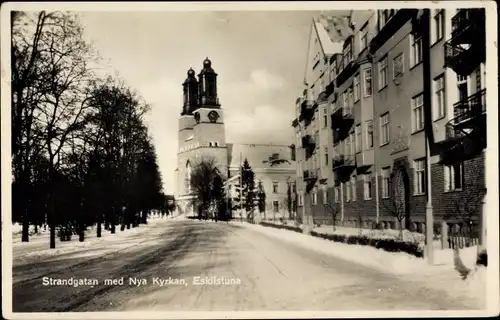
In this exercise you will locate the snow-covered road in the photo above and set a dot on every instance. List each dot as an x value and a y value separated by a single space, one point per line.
267 274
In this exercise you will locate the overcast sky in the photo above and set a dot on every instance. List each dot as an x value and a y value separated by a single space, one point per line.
260 58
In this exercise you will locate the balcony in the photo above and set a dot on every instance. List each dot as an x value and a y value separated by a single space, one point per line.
467 24
342 121
343 165
343 161
469 111
310 178
467 47
309 145
364 160
307 109
330 88
466 132
464 59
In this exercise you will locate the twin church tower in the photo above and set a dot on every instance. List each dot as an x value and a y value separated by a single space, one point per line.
201 129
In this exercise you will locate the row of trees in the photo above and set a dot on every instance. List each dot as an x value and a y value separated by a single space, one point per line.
81 152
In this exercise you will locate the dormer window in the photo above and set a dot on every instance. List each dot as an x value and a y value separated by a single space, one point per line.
347 52
210 144
216 144
385 16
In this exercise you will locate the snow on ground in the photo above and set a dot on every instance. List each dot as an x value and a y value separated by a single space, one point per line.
38 246
440 275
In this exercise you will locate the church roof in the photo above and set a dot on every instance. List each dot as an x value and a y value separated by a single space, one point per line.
260 156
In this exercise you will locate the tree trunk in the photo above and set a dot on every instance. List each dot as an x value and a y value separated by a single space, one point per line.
99 229
52 228
26 228
81 234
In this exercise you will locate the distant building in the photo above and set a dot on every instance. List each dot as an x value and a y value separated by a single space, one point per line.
372 107
202 133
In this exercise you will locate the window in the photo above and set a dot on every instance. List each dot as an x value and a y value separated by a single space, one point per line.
276 206
386 176
210 144
325 118
453 177
417 105
325 195
384 129
351 102
334 69
438 25
352 145
300 201
398 65
358 137
353 186
216 144
337 194
275 186
326 155
314 197
187 178
382 73
357 88
416 49
439 104
463 88
363 39
367 186
419 179
347 53
369 134
368 82
347 192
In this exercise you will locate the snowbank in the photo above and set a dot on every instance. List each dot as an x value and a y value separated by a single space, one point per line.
38 247
441 275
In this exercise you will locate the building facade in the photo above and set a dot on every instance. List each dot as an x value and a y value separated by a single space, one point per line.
380 95
202 135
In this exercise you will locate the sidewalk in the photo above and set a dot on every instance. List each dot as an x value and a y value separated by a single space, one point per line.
440 276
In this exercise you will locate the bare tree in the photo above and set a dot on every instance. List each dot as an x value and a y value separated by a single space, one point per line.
204 183
397 207
333 210
468 206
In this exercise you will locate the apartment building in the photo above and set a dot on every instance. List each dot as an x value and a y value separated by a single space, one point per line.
403 38
312 123
378 123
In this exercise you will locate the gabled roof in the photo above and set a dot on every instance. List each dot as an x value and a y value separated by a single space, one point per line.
332 30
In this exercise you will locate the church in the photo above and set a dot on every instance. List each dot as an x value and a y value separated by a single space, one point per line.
202 134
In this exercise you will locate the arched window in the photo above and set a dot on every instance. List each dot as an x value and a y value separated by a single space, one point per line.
210 144
187 178
216 144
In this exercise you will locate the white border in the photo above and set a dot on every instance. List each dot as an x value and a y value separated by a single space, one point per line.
491 170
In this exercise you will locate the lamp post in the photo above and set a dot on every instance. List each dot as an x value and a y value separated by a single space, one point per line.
429 214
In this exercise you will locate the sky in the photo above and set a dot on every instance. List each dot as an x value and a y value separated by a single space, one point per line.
259 56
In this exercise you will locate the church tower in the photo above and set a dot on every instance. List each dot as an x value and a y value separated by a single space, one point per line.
201 130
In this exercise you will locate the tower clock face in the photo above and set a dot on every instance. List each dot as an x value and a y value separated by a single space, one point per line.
213 116
197 117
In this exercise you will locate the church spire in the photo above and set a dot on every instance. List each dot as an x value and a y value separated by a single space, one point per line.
208 86
190 87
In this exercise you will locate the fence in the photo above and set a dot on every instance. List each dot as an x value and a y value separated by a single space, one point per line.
463 237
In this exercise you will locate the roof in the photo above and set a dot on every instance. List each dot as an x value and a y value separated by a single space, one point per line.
260 156
332 30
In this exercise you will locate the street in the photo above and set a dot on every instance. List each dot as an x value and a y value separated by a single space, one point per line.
262 273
